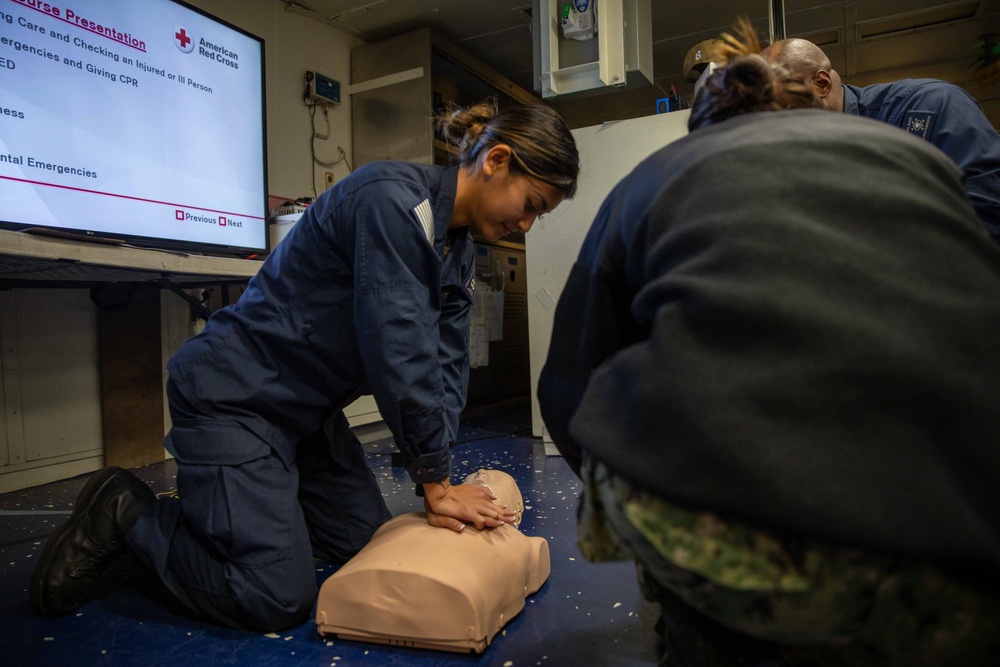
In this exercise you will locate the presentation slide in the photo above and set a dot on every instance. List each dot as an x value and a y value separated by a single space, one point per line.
131 117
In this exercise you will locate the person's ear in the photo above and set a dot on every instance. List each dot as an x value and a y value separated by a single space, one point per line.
497 158
823 83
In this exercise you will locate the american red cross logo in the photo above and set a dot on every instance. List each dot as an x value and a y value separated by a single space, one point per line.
183 40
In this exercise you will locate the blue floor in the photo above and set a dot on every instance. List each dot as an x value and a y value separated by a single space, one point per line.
585 614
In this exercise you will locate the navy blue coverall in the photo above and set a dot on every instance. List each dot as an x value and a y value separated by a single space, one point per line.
369 293
951 119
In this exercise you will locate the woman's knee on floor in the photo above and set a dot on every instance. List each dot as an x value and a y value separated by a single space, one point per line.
265 599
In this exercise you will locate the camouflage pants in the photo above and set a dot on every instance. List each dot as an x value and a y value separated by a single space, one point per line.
734 595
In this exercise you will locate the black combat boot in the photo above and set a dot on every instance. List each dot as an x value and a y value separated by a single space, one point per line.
93 537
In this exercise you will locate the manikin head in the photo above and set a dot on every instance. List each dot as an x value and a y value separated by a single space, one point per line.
503 487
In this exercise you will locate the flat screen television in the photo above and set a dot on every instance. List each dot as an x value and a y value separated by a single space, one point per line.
135 120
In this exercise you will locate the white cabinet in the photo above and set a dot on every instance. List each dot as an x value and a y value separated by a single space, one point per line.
619 56
608 153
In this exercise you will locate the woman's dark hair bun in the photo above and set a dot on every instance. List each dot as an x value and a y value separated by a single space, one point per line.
462 126
541 144
746 83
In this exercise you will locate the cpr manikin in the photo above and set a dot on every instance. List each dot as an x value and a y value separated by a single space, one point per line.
418 585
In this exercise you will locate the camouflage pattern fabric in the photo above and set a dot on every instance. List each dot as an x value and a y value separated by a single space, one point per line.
736 595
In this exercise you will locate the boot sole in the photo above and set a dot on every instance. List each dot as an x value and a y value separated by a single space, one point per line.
91 490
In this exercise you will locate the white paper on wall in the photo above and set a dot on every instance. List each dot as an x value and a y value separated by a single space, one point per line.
494 315
479 347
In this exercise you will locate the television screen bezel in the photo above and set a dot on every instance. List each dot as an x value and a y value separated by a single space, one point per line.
186 246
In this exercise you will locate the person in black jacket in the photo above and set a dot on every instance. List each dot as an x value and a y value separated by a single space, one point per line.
775 365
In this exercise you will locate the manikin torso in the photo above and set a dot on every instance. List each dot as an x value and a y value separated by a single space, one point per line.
417 585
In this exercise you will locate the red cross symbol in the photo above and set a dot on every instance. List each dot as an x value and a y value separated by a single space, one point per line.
182 38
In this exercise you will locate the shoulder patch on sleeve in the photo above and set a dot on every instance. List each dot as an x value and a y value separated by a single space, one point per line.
470 281
425 216
919 123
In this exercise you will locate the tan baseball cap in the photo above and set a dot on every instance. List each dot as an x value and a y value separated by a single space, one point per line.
699 56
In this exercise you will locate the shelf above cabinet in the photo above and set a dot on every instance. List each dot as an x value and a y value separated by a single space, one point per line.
392 115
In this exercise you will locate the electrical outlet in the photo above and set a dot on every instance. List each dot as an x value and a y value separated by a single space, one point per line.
328 178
